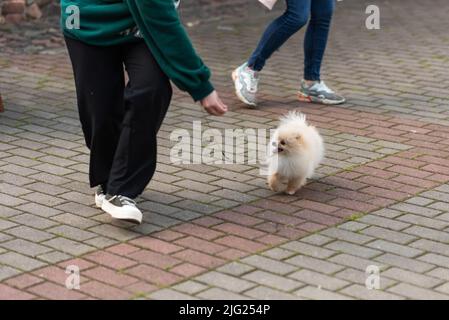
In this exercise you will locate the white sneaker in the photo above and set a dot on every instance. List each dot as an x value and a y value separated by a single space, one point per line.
99 196
246 82
122 208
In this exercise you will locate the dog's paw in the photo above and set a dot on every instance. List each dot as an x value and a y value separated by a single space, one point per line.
291 192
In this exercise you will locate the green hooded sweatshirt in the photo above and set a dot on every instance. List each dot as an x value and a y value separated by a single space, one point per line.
112 22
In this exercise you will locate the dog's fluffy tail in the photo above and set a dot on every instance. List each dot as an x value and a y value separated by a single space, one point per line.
293 117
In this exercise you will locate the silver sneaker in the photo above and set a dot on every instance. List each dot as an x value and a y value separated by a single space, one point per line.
246 82
319 93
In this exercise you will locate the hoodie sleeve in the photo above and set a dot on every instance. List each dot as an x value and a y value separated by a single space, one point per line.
160 26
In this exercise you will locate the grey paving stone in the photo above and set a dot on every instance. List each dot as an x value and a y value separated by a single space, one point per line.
225 281
265 293
4 237
30 234
25 247
269 265
388 213
235 268
190 287
315 264
353 226
423 211
220 294
395 248
384 222
68 246
350 248
278 253
319 280
307 249
432 246
5 224
424 222
436 259
75 220
428 233
359 277
355 262
272 280
419 201
389 235
114 232
320 294
413 292
345 235
361 292
40 210
33 221
7 272
404 263
413 278
169 294
100 242
440 273
54 257
20 261
71 233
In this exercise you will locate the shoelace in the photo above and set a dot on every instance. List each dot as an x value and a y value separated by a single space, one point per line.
253 80
125 200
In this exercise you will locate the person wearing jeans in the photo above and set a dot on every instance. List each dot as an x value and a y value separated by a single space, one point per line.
318 13
120 122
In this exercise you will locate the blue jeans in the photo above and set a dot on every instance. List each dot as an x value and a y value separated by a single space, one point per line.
294 18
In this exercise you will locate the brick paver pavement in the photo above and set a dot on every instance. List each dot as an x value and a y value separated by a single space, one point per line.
381 197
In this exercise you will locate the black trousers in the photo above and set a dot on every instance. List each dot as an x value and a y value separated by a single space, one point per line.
119 122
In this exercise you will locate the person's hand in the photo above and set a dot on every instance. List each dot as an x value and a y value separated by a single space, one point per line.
213 104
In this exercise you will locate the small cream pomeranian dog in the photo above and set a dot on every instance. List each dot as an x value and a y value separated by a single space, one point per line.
296 150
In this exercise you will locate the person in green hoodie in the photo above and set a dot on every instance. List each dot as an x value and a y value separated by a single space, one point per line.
120 122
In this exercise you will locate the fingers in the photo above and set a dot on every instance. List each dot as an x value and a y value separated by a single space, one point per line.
215 110
214 105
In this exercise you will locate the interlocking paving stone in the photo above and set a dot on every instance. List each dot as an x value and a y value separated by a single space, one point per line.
361 292
323 266
269 265
386 171
266 293
25 247
20 261
224 281
405 263
273 281
68 246
236 269
315 294
414 292
411 277
318 280
394 248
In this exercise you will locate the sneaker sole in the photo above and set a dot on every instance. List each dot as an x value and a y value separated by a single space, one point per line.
134 217
252 105
306 98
